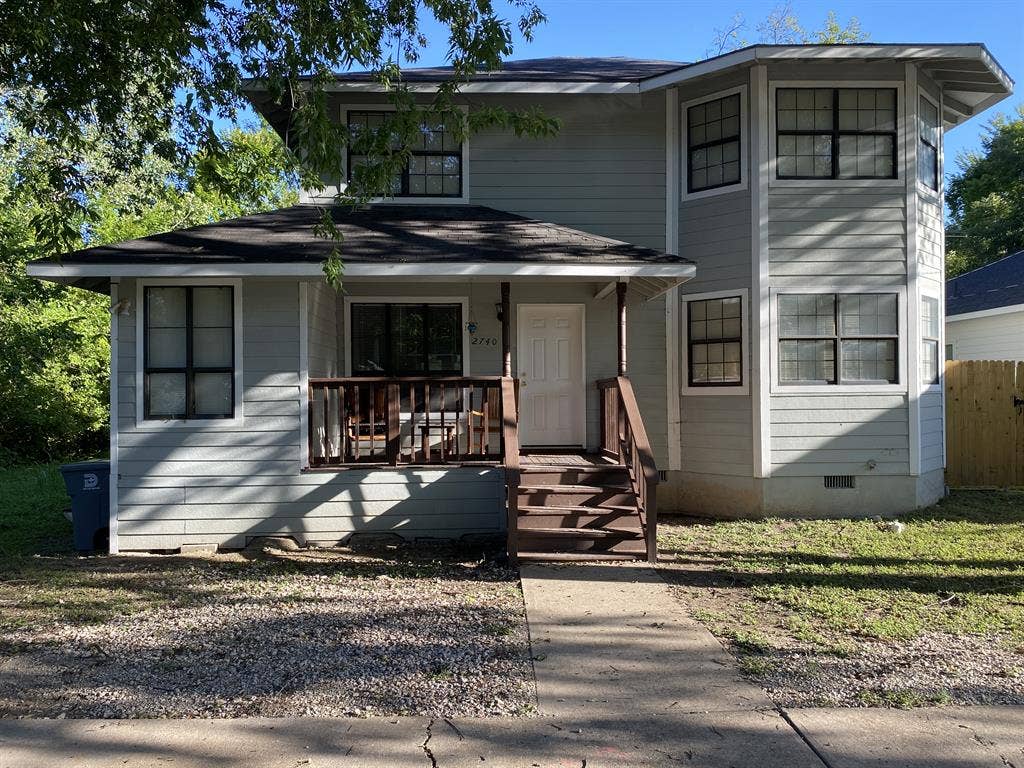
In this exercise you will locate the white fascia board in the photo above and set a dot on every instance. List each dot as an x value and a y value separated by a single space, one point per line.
424 270
1010 309
765 53
502 86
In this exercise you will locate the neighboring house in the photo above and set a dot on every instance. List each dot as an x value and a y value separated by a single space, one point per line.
985 312
719 283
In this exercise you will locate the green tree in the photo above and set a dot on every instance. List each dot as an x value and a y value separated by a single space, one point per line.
54 348
986 198
152 76
782 27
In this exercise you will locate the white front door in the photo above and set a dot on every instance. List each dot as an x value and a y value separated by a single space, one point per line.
552 386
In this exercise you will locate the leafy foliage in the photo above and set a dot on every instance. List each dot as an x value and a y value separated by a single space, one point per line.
782 27
150 77
54 348
986 198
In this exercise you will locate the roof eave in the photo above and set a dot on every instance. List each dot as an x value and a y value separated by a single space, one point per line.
70 272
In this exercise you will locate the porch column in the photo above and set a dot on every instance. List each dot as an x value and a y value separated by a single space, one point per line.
620 292
506 336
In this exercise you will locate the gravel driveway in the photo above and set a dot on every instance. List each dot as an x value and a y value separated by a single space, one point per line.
318 632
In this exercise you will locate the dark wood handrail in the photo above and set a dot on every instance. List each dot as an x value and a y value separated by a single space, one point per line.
510 439
624 436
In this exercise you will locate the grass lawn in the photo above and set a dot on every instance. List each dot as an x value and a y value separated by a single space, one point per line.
32 504
942 600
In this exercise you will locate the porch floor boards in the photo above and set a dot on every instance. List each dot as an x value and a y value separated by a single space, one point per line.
564 459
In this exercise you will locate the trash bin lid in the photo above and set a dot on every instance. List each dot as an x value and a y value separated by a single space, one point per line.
96 465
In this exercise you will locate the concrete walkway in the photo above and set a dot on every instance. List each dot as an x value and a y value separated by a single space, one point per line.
625 678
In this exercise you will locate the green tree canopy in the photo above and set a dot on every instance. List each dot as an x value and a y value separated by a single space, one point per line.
986 198
54 349
151 77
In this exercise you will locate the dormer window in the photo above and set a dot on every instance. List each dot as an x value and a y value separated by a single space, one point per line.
836 133
435 169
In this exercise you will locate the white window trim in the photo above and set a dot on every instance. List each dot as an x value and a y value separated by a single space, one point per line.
343 181
357 299
140 374
841 389
902 128
745 123
938 388
931 195
684 354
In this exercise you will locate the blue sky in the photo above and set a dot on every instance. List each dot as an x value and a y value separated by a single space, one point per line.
683 29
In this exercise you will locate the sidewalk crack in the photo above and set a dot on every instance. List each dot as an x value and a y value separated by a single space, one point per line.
425 745
803 737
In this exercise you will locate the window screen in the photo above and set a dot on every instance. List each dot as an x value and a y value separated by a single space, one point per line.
406 339
713 144
929 340
435 167
715 342
838 338
928 147
189 352
835 133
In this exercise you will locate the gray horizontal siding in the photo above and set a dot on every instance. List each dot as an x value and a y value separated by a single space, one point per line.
604 172
210 483
839 435
932 431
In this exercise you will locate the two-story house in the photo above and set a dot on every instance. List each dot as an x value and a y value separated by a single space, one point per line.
718 290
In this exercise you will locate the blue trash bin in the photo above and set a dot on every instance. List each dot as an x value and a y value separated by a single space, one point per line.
88 484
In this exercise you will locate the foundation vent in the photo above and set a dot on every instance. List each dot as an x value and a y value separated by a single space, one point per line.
662 475
840 481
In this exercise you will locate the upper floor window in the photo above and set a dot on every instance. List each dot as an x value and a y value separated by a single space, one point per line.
189 352
846 338
928 146
836 133
713 144
435 168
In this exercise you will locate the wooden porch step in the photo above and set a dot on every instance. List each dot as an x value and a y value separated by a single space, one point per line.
568 509
567 475
538 488
584 533
563 557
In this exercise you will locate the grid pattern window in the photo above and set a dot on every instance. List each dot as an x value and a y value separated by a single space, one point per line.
189 352
713 144
435 166
406 339
838 338
929 340
716 342
928 147
835 133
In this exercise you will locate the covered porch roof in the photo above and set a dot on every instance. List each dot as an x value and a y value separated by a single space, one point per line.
421 242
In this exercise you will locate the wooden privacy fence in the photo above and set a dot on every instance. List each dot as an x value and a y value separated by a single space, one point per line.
984 423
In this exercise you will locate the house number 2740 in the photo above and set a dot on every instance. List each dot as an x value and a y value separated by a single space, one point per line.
485 341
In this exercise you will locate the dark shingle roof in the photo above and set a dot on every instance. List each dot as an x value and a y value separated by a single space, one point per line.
594 69
999 284
376 234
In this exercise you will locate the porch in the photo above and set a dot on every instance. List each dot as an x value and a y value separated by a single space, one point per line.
588 496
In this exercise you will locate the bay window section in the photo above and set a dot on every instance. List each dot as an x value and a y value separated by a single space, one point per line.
836 133
838 338
929 340
406 339
928 146
188 352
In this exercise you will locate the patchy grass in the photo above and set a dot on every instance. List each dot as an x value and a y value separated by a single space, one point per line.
32 504
772 588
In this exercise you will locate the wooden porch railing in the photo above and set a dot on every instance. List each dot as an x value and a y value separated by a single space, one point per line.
624 439
407 420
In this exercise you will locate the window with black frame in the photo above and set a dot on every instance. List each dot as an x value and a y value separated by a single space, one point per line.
435 168
928 148
189 352
846 338
715 338
405 339
713 144
835 133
